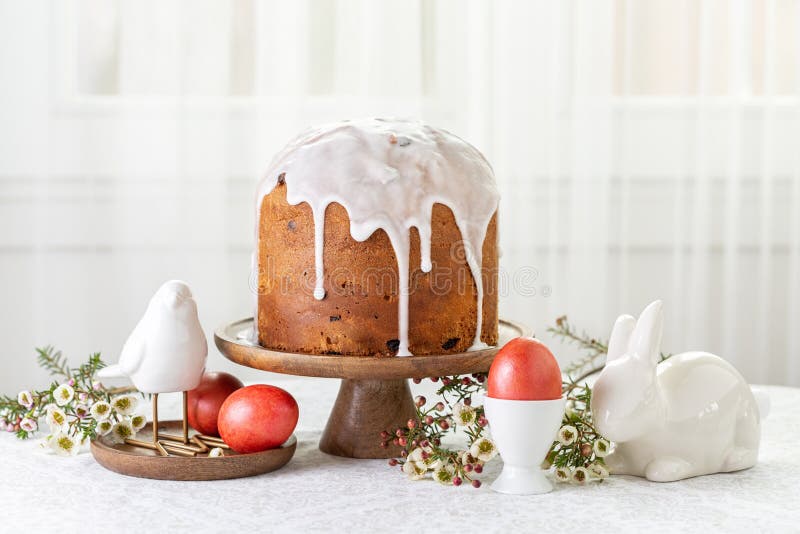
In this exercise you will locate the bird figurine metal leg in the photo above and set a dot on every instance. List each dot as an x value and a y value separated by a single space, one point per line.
154 445
166 444
184 439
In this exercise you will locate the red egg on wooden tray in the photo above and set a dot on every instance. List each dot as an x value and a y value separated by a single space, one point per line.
205 401
256 418
524 369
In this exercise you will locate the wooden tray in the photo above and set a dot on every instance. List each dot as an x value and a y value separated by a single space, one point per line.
374 393
145 463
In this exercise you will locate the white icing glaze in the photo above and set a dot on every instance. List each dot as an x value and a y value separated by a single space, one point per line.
388 174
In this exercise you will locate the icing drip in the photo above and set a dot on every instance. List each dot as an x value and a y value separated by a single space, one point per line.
319 244
388 174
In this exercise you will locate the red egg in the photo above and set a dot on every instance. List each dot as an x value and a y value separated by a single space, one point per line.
257 418
204 401
524 369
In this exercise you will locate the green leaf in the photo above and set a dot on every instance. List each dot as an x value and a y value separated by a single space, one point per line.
52 361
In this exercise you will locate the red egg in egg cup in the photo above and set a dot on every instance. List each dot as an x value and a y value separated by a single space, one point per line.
524 407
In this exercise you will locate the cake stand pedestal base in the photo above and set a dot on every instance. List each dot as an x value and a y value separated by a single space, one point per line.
362 410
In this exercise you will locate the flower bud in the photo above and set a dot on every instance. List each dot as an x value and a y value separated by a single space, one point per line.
393 462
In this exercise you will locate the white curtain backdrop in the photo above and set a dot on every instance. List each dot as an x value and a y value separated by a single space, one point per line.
644 149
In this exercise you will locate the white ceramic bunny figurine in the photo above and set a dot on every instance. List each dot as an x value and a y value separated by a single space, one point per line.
692 414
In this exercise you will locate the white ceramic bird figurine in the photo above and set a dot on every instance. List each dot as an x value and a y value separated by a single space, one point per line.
167 350
691 414
165 353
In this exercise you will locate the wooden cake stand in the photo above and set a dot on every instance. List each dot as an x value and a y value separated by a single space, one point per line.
374 393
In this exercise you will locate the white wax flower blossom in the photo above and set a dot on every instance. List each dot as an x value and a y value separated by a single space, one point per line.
414 470
431 463
563 474
28 425
138 422
125 404
483 449
25 398
569 408
580 475
63 394
104 427
63 444
101 410
56 418
601 447
463 415
216 452
444 474
598 471
567 435
122 431
416 455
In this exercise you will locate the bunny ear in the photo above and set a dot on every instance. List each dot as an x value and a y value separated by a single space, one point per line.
646 339
620 336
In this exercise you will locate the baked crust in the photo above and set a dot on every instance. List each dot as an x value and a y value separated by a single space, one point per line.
359 314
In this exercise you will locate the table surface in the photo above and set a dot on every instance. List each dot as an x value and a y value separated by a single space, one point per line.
318 492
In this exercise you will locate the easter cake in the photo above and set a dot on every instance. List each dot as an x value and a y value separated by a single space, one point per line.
377 238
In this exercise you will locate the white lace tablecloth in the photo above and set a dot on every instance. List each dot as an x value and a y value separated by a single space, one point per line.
317 492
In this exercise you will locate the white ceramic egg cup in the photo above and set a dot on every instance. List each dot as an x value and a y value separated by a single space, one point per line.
523 432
